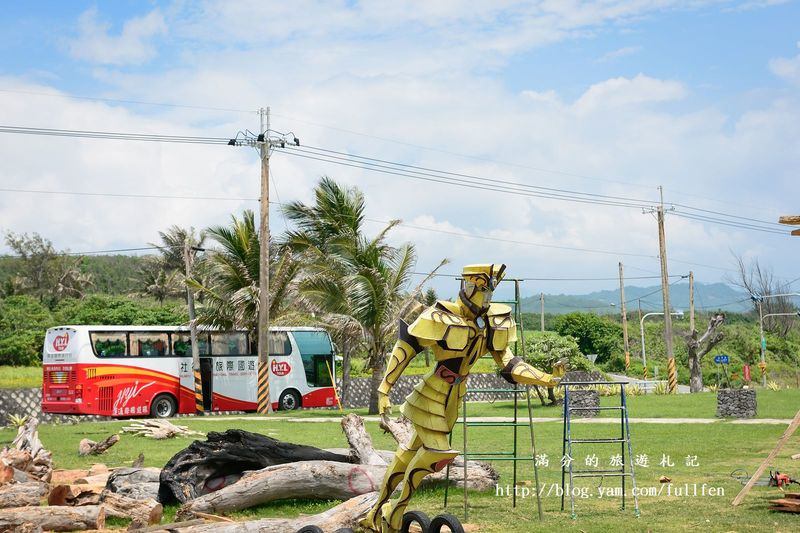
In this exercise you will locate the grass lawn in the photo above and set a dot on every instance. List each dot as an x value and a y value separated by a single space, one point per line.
720 449
771 404
17 377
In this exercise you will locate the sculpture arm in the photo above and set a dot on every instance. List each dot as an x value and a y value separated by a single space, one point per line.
406 347
515 370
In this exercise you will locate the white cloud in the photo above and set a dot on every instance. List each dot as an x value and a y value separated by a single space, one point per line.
787 68
418 76
133 45
618 92
618 53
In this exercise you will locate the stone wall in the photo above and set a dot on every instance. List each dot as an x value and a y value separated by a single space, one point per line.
28 402
360 388
736 403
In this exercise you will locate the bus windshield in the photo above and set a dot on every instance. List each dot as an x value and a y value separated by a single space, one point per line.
316 352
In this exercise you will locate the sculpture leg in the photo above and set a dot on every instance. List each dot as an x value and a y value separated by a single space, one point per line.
426 461
394 475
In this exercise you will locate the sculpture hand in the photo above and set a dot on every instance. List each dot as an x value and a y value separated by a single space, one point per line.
560 368
384 404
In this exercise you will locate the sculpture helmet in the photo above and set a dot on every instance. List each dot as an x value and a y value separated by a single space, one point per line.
478 284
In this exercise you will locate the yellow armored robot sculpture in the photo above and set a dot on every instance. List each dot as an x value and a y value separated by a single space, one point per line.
458 334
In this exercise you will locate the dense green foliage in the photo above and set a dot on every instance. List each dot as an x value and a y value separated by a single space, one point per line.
543 349
24 320
595 334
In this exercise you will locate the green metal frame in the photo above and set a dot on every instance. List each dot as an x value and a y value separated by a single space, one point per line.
501 455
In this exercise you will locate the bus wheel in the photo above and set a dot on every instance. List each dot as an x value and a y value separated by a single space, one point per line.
289 401
163 406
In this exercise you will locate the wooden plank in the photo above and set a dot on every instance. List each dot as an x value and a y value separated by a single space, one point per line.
774 453
790 219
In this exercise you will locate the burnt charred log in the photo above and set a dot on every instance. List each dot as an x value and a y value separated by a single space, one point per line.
222 459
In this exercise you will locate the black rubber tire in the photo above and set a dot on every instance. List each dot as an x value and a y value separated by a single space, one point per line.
419 517
448 520
310 529
289 400
163 406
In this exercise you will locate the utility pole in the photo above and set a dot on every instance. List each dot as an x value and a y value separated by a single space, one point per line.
672 376
188 260
624 318
541 312
691 302
264 402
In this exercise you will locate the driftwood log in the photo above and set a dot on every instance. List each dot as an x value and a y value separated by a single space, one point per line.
75 495
324 479
136 483
141 512
344 515
27 454
53 518
90 447
160 429
204 467
22 494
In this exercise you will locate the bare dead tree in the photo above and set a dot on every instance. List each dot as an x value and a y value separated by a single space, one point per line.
699 347
761 282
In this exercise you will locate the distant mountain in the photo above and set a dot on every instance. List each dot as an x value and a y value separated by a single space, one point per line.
706 296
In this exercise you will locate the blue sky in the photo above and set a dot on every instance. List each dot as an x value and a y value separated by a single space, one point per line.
698 96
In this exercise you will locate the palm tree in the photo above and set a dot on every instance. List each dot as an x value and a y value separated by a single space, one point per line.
158 282
173 241
231 272
359 285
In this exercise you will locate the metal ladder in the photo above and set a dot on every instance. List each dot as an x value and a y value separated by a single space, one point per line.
624 440
514 455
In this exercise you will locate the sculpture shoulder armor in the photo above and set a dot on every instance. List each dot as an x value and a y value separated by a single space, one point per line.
502 329
440 323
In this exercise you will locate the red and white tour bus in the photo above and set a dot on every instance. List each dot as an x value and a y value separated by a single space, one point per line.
127 371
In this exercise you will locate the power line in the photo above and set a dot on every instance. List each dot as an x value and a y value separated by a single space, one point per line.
132 195
739 225
87 134
529 278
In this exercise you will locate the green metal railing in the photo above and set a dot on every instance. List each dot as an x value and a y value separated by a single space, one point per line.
501 455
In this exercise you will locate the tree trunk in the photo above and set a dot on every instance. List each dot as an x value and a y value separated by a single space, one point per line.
54 518
87 447
142 512
136 483
346 364
344 515
695 372
22 494
378 368
360 441
75 495
305 480
204 467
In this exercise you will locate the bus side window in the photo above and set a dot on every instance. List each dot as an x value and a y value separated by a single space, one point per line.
279 343
182 344
109 344
149 344
230 343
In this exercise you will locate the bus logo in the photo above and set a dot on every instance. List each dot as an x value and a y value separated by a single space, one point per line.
280 368
60 342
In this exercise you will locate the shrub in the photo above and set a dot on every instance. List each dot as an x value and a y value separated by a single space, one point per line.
593 333
543 349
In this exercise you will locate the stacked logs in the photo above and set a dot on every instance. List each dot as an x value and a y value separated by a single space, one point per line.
77 499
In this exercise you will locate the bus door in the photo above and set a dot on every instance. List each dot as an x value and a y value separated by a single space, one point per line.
316 353
207 378
182 349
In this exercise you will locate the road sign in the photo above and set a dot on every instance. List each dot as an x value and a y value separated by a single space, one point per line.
721 359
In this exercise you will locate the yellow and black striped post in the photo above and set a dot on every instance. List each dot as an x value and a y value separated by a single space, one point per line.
672 376
198 392
644 374
264 404
627 360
